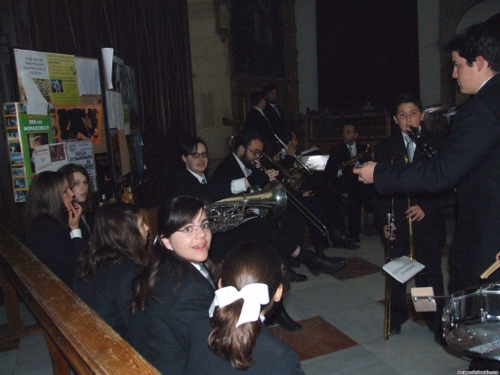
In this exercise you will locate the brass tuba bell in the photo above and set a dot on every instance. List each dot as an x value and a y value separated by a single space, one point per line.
233 211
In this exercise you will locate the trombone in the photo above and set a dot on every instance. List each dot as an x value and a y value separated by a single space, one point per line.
291 198
390 254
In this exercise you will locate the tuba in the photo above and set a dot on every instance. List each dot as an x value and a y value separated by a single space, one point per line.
233 211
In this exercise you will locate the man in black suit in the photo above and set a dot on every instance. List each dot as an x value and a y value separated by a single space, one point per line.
257 119
424 210
193 181
273 111
243 163
342 180
470 162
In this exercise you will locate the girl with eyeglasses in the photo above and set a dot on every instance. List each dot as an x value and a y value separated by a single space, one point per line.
174 291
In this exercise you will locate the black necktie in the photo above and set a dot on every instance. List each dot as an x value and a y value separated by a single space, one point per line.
205 273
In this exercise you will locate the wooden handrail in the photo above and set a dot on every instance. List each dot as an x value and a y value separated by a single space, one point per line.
76 336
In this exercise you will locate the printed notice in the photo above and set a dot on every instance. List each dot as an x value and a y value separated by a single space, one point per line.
403 269
63 78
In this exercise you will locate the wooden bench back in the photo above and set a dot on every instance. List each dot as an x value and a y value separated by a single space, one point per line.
76 336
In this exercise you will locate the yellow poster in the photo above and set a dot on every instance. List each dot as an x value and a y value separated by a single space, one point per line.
63 78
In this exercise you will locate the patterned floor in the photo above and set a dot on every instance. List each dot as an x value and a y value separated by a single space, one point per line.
343 323
342 317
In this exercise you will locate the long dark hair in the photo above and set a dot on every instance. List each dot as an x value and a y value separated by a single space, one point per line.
177 213
68 170
248 263
45 198
115 238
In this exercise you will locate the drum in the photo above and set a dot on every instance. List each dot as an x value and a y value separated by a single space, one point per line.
472 321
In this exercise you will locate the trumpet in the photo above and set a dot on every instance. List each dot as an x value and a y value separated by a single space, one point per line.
390 254
355 160
292 178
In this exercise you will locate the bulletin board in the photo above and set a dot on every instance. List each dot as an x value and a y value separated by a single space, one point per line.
82 106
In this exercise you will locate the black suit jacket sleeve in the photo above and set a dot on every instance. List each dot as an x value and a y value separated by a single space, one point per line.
53 245
187 184
473 143
229 170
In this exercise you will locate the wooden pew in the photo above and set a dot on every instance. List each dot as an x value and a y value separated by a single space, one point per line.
76 336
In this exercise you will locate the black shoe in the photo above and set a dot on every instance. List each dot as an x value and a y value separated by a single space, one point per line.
318 264
284 320
295 277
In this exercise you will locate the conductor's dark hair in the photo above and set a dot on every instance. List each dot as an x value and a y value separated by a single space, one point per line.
248 263
482 39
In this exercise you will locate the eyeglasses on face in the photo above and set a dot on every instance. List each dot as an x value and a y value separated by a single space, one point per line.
192 228
197 155
256 153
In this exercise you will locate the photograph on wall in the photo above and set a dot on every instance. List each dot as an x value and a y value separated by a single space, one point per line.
20 183
12 134
83 123
18 171
24 134
14 147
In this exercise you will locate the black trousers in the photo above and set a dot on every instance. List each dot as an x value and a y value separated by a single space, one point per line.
266 231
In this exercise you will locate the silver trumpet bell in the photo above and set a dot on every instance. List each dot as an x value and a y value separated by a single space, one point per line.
231 212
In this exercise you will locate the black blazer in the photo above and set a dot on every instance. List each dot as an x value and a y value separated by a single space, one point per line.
272 356
470 161
187 184
109 294
164 331
277 120
261 124
229 170
53 245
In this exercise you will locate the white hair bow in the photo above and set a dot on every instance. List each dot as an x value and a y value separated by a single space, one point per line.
253 295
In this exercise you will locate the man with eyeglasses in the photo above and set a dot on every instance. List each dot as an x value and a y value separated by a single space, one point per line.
243 164
193 181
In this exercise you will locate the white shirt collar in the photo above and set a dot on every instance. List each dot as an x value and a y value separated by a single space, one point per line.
484 83
245 170
198 177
